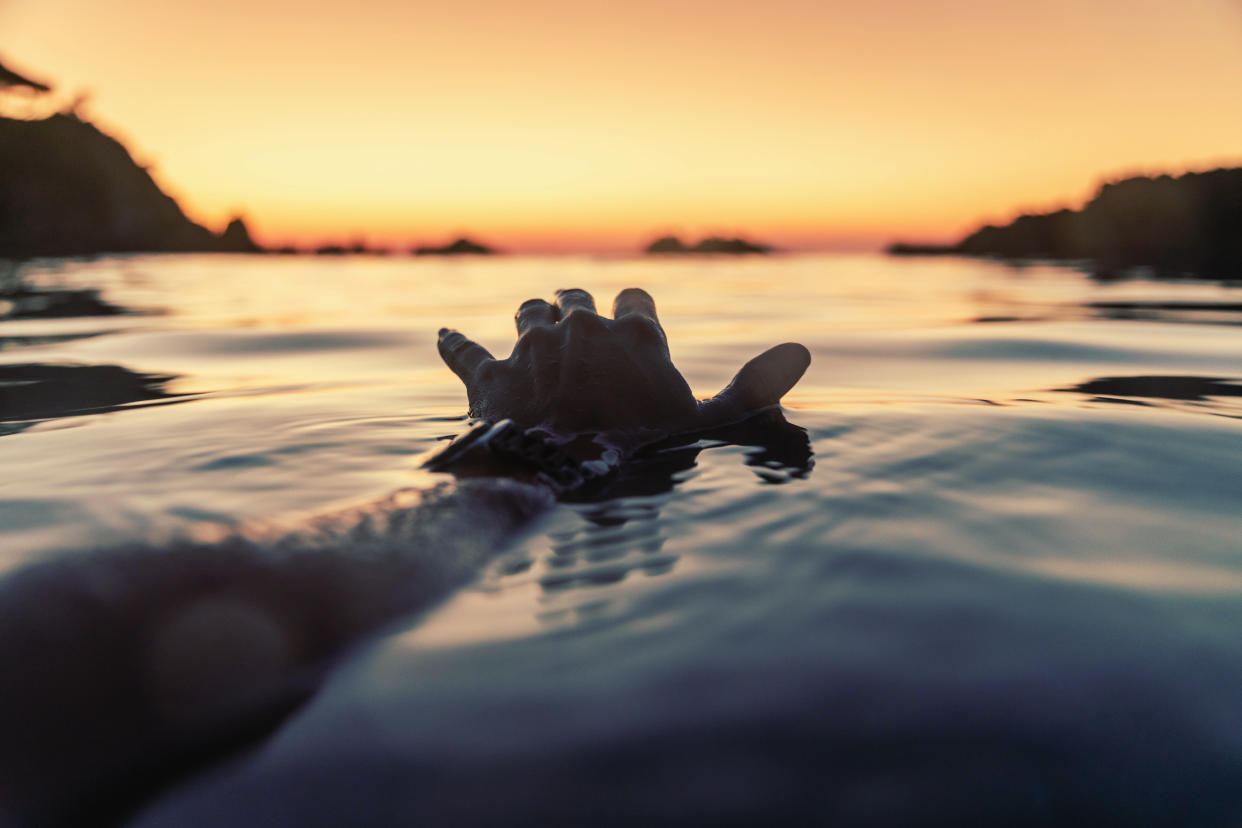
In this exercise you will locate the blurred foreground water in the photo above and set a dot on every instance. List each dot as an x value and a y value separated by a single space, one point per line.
998 580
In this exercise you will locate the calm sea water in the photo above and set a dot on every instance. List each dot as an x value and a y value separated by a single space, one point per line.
999 578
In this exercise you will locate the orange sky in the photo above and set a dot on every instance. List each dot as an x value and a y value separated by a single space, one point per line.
567 124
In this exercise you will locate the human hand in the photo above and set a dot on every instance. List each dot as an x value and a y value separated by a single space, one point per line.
574 371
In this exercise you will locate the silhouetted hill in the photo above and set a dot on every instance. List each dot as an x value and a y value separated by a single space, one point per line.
236 239
711 244
461 247
667 244
67 189
1189 224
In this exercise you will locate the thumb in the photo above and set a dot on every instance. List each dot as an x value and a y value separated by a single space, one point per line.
463 356
761 383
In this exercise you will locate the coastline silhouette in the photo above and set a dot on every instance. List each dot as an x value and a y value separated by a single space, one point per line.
460 247
1181 226
69 189
710 245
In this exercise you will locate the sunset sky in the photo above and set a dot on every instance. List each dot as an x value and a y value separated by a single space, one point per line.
577 125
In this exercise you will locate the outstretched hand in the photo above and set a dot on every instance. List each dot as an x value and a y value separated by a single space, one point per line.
574 371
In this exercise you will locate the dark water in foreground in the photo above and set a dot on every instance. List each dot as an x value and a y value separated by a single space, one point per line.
998 580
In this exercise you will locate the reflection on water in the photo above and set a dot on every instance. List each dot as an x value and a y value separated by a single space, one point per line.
1223 313
1198 389
10 342
24 303
21 298
775 449
612 541
961 616
38 392
959 583
620 530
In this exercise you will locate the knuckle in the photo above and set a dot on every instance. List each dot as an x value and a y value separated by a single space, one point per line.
537 338
574 298
582 321
531 307
641 328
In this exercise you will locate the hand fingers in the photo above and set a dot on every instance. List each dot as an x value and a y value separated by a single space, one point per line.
462 355
573 299
534 312
761 383
634 301
634 311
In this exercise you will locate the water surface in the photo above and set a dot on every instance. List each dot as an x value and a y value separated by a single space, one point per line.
997 578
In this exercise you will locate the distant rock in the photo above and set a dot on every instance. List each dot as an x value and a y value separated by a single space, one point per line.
356 249
461 247
733 247
667 244
920 249
67 189
709 245
1189 225
236 238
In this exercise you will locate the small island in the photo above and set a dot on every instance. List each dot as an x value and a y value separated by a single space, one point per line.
711 245
1188 225
358 248
460 247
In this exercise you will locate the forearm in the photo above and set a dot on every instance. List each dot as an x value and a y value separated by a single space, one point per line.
121 668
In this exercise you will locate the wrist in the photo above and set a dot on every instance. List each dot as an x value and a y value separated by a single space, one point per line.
504 449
